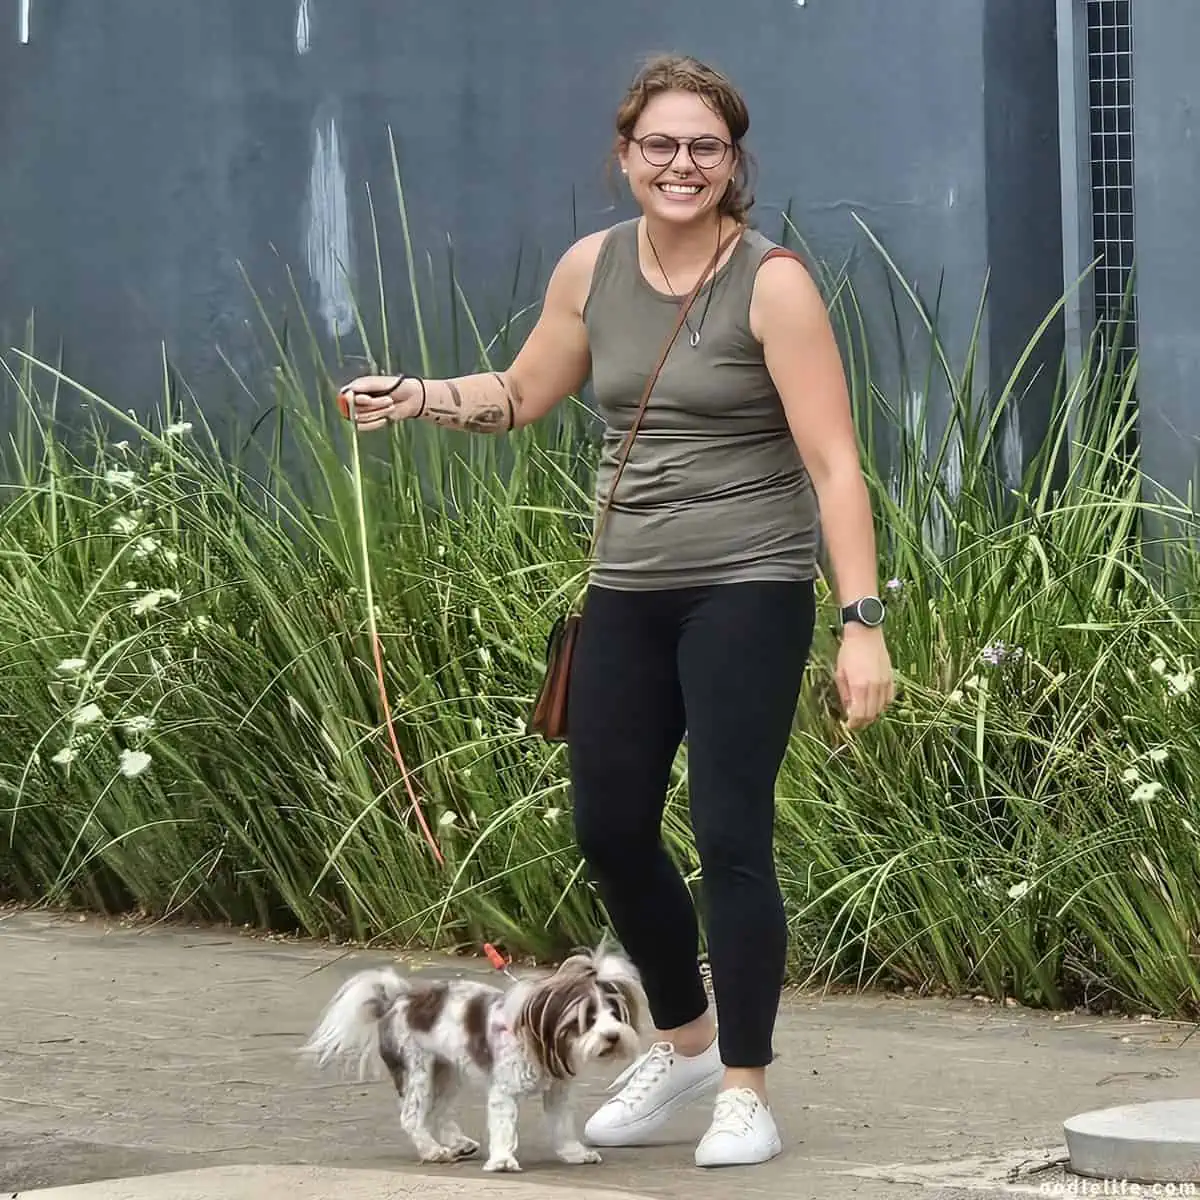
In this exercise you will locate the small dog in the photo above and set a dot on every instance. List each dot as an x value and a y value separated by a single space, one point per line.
432 1036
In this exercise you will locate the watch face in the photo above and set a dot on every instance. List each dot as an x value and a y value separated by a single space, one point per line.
870 611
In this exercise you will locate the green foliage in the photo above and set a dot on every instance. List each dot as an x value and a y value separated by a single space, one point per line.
191 724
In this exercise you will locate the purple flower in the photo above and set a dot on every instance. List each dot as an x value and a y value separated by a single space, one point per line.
995 654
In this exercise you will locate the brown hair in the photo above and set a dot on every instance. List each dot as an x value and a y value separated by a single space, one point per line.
681 73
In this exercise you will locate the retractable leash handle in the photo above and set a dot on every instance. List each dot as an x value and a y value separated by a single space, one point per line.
498 960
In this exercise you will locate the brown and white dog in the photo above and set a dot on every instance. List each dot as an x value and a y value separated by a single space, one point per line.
432 1036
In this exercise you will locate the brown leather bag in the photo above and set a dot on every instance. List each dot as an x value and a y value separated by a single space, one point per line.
549 717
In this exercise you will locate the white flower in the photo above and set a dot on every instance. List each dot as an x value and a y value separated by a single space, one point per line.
1146 791
143 604
1159 665
89 714
134 762
72 666
955 696
138 725
130 585
894 585
119 478
122 446
124 525
448 818
1158 755
1018 890
178 429
520 726
146 546
1131 775
441 551
551 815
1180 683
64 757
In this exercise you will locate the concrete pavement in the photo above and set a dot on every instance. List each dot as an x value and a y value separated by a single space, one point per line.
136 1053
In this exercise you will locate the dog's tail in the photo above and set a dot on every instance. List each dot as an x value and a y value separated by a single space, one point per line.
349 1027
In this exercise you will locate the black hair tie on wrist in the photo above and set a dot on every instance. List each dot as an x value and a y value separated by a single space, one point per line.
379 393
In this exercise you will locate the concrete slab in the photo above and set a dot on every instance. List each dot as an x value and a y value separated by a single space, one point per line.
136 1051
1152 1142
307 1183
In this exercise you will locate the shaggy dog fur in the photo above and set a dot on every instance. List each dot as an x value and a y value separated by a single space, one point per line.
432 1036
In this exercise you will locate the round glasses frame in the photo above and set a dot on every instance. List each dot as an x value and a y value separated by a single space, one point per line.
667 156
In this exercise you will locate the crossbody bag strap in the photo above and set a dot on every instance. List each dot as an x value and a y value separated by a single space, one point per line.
652 380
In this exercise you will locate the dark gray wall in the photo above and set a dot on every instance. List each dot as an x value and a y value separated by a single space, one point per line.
147 148
1166 96
1024 208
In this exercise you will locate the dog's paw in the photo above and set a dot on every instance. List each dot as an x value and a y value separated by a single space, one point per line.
502 1162
578 1155
464 1147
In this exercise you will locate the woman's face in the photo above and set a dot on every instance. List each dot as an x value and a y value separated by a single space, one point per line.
667 181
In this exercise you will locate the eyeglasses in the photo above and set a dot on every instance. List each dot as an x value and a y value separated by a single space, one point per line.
660 149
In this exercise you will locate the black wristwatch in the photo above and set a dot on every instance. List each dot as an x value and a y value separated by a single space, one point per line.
868 611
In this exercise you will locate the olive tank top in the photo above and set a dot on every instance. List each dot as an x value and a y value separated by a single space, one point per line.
714 490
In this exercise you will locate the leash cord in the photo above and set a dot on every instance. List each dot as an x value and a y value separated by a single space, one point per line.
376 644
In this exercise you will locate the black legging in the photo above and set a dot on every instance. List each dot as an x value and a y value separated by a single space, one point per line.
724 662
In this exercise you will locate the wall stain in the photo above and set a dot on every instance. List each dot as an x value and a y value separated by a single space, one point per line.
303 29
327 237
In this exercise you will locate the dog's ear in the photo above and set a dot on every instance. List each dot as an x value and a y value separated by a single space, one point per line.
615 971
543 1026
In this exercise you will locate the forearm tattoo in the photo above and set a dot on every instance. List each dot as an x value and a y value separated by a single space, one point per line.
487 403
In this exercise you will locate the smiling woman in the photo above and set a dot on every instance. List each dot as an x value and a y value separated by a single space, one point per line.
701 603
681 104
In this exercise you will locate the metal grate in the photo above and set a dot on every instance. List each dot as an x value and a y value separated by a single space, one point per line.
1110 109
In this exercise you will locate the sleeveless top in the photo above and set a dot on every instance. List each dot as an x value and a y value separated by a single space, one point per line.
714 490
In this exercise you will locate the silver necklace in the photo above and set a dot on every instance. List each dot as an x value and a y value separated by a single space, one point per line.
694 339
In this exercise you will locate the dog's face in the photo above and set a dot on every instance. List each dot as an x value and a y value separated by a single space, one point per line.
591 1008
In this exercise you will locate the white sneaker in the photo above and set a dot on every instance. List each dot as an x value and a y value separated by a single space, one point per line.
656 1087
742 1132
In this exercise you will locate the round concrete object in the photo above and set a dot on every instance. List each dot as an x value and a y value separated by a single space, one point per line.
1154 1142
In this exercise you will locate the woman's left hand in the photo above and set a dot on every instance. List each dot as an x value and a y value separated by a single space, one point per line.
864 675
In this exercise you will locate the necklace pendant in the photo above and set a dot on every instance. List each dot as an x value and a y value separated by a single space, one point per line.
695 338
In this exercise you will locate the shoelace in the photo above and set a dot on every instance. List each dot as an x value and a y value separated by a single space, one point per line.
734 1112
642 1075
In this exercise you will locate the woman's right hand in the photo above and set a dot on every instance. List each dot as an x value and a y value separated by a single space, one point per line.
375 405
